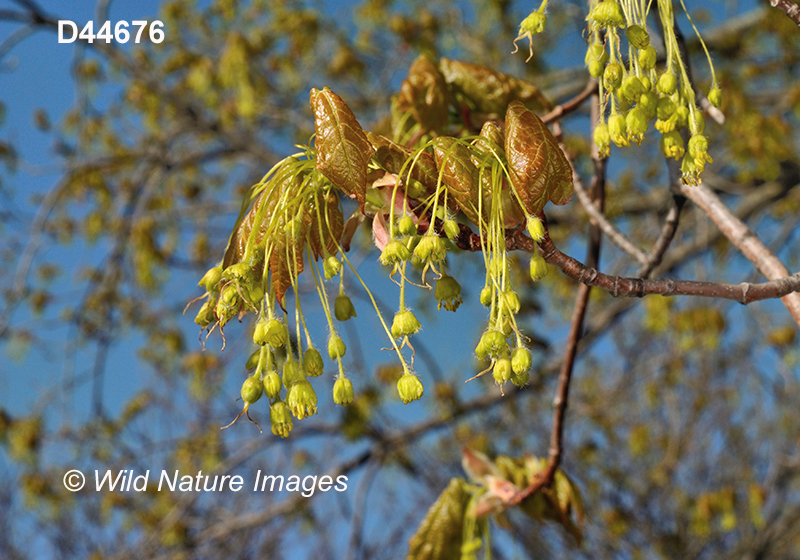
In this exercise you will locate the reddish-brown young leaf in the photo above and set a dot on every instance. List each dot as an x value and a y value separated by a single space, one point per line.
424 92
459 174
392 157
343 151
287 246
238 241
490 91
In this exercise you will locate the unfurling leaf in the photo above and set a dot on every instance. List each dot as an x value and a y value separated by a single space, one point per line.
459 175
439 536
241 233
424 92
343 151
489 91
392 157
539 169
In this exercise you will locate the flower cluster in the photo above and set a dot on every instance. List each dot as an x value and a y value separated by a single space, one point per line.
423 204
635 94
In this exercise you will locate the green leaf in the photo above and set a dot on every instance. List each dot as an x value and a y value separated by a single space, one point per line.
439 535
343 151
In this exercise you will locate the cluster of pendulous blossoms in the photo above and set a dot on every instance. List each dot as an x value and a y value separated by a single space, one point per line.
636 94
422 203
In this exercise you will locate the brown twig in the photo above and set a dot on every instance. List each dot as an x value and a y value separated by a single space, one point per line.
573 104
664 239
746 241
792 10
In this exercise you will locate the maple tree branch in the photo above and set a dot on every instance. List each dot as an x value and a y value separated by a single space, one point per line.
790 8
664 240
745 240
569 106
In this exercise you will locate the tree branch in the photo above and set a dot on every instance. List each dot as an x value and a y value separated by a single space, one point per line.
571 105
792 10
745 240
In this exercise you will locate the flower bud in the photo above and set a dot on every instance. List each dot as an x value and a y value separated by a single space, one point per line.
612 75
502 371
608 14
538 266
665 108
312 362
596 68
272 384
631 89
252 361
486 296
520 379
260 333
205 316
637 124
211 278
251 390
682 116
618 129
410 388
492 343
302 400
343 391
535 228
533 24
430 248
281 419
336 347
230 296
602 139
407 226
647 58
274 333
448 293
667 84
698 149
291 373
343 308
256 294
697 122
511 300
237 271
394 252
405 324
648 103
638 37
646 83
596 51
331 266
689 172
715 97
451 229
521 361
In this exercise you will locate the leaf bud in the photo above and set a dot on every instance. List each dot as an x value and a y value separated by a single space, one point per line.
409 387
405 324
638 37
336 347
272 384
331 266
312 362
251 390
343 308
394 252
302 400
281 419
647 58
343 391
